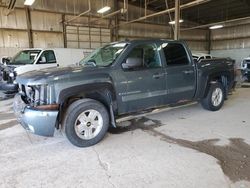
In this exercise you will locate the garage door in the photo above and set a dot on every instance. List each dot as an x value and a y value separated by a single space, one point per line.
85 37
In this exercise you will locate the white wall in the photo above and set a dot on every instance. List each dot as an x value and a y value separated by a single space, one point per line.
237 54
232 41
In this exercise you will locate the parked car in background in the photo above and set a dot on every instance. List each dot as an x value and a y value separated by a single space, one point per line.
118 79
245 68
35 59
201 56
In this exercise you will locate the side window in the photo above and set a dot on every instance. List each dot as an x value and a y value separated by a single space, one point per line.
47 57
175 54
143 57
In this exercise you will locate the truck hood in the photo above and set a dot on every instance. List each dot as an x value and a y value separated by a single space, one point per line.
51 75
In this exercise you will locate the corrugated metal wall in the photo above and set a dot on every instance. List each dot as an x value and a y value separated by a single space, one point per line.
233 41
68 6
231 37
47 30
146 29
13 35
143 30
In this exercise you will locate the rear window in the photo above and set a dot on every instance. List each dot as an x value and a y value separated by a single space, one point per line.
175 54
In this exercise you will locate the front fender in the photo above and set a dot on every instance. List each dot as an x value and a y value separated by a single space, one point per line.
84 88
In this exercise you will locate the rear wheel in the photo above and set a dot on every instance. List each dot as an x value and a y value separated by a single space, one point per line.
215 97
86 122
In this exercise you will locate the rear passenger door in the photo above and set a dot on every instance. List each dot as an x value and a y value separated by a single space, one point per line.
180 70
145 79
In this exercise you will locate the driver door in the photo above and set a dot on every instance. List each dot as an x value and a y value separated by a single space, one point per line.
144 76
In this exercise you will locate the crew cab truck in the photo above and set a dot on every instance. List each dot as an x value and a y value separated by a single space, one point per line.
118 79
33 59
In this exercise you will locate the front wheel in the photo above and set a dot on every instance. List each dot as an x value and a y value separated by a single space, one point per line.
215 97
86 122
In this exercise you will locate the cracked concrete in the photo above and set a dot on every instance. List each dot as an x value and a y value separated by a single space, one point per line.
105 166
171 148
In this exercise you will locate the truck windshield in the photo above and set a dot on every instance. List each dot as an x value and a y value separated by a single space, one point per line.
104 56
25 57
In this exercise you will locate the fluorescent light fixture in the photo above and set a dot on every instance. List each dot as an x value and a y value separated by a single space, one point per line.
29 2
216 27
103 9
173 22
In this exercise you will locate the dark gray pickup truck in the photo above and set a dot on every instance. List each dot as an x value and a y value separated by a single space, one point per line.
118 79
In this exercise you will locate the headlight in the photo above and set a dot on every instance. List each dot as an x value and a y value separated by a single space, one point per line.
12 75
244 65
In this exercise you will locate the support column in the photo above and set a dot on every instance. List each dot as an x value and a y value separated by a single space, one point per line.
177 18
114 31
209 41
90 46
64 31
29 28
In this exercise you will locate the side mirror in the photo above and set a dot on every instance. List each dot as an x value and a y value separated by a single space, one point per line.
42 60
132 62
90 62
5 60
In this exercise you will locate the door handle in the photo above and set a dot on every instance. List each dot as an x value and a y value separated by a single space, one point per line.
158 75
188 71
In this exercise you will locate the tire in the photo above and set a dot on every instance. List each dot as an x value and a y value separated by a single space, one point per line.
215 97
86 122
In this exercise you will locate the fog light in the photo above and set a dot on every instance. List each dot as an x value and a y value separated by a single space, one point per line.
11 74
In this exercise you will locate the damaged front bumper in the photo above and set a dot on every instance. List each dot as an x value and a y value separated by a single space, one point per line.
37 121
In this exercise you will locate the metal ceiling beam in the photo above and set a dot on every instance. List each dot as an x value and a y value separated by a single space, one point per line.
113 14
246 2
184 6
217 23
217 12
202 19
83 13
150 2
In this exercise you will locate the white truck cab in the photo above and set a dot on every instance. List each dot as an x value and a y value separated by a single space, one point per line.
33 59
200 56
38 58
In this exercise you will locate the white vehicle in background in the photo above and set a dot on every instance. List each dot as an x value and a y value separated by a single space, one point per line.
201 56
245 68
33 59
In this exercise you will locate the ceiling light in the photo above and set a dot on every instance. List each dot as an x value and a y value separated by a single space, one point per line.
104 9
173 22
216 27
29 2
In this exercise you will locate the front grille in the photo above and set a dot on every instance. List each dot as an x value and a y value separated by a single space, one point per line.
5 76
36 95
248 65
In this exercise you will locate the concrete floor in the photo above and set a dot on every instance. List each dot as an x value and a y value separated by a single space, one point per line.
181 147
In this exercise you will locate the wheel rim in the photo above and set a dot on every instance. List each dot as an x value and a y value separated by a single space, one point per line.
217 96
88 124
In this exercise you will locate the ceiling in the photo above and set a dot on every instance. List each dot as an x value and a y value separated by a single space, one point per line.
206 13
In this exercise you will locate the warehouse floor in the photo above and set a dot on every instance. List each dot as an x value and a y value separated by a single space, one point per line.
180 147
